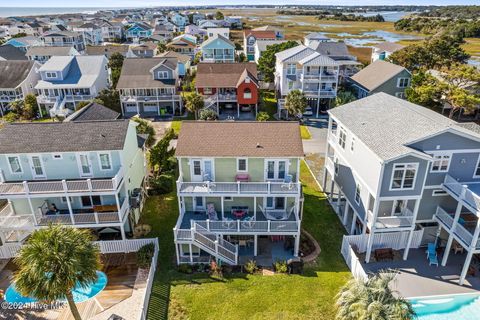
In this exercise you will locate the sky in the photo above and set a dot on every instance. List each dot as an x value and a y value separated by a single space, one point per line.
148 3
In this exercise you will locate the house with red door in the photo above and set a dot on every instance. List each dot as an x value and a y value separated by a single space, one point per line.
230 89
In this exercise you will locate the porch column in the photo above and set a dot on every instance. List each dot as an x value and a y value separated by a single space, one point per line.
339 199
297 245
410 235
70 209
345 213
354 219
190 251
238 110
180 199
324 183
255 245
369 245
256 109
332 187
466 265
122 232
318 106
177 252
138 108
32 210
458 210
120 218
255 207
223 207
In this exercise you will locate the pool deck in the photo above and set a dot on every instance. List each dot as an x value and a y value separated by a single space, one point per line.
123 289
417 279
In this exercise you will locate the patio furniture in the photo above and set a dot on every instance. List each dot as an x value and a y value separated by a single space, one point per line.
248 222
431 249
242 243
384 254
242 177
228 223
239 212
288 182
457 248
432 260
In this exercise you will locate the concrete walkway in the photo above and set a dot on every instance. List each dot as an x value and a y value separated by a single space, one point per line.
318 129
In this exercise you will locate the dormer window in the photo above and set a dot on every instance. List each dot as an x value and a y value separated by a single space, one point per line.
50 75
162 74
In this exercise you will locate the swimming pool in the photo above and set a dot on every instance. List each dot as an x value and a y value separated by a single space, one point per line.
80 294
452 307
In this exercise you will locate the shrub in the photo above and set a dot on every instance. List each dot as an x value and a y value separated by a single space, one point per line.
145 255
251 266
10 117
280 266
144 127
185 268
208 114
216 270
263 116
163 183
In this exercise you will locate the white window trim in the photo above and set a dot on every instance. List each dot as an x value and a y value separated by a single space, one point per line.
415 164
342 130
358 191
276 171
49 74
162 74
442 154
19 163
109 160
238 164
475 169
400 80
352 145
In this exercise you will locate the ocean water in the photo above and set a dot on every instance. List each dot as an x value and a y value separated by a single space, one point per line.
16 11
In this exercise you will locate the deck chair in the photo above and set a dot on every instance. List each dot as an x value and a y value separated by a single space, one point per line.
211 212
249 223
432 259
431 250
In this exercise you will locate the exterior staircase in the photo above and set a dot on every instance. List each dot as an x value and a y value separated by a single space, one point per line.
214 244
211 103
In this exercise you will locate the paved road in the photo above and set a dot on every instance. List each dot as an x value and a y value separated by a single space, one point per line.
318 129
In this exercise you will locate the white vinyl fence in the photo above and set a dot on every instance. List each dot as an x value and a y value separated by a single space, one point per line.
394 240
352 261
151 275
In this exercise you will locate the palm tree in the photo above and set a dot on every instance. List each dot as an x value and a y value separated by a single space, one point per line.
344 97
372 299
295 103
194 102
53 261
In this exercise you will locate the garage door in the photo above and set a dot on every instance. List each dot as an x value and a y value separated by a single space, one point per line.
147 108
131 108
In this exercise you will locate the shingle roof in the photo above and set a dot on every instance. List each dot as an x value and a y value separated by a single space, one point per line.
223 74
263 44
106 50
9 52
239 139
269 34
60 34
93 112
387 124
300 50
136 73
215 38
14 72
63 136
49 51
376 73
172 54
332 49
316 36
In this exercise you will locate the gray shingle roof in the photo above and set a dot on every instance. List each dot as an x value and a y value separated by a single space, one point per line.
136 73
9 52
331 49
93 112
376 74
63 136
49 51
387 124
14 72
239 139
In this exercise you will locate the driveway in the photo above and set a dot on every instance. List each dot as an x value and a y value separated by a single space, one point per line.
160 128
318 129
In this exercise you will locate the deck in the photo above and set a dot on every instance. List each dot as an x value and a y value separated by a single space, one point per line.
418 279
121 273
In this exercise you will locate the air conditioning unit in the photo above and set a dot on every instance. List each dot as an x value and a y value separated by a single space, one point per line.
136 198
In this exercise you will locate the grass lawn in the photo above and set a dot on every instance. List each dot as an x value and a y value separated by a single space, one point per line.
239 296
269 103
177 122
305 133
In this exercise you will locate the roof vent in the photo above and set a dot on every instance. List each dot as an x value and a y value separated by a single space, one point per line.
258 145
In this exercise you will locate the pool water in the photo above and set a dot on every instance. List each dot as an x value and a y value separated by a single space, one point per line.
454 307
80 294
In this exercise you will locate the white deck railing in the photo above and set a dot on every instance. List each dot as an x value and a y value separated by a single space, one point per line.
352 261
461 191
239 187
238 226
60 186
395 240
460 231
403 220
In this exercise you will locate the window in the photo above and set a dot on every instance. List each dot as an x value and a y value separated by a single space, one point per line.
247 94
400 95
352 146
477 169
290 84
50 75
440 163
162 74
57 156
342 138
105 163
403 82
403 176
207 91
357 193
337 166
15 166
197 169
439 193
242 165
291 68
228 199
